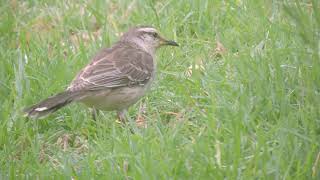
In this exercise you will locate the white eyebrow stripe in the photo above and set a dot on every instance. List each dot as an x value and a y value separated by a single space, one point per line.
148 29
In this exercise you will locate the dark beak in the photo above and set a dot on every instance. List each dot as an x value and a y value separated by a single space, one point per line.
170 43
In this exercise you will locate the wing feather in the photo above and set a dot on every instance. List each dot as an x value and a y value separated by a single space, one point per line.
119 66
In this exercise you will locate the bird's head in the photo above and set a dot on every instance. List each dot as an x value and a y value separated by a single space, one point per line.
147 38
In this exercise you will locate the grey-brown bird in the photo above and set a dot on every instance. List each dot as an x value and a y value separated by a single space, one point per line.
116 78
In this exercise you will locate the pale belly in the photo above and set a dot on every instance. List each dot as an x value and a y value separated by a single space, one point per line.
115 99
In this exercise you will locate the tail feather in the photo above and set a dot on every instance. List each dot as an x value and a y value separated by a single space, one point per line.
50 105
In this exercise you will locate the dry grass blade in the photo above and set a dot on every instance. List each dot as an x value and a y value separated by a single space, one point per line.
140 120
198 66
315 165
63 141
219 50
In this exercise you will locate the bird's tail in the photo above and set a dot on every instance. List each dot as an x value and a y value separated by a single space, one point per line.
51 104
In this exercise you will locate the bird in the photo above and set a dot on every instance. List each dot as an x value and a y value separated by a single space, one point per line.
115 78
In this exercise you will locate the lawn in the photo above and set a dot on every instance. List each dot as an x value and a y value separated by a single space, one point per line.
239 99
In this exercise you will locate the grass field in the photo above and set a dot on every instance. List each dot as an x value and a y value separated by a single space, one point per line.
239 99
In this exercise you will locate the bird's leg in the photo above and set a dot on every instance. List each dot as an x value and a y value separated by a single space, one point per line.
122 115
124 119
95 113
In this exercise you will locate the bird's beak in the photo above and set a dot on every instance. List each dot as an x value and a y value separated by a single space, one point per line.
168 42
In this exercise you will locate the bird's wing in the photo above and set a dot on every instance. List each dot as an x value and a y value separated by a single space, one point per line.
115 67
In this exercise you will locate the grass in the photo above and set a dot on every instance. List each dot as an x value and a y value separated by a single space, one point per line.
239 99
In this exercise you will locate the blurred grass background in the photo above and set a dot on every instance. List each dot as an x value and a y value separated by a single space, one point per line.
239 99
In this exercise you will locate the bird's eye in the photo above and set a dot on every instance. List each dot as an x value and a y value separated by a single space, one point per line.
154 34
